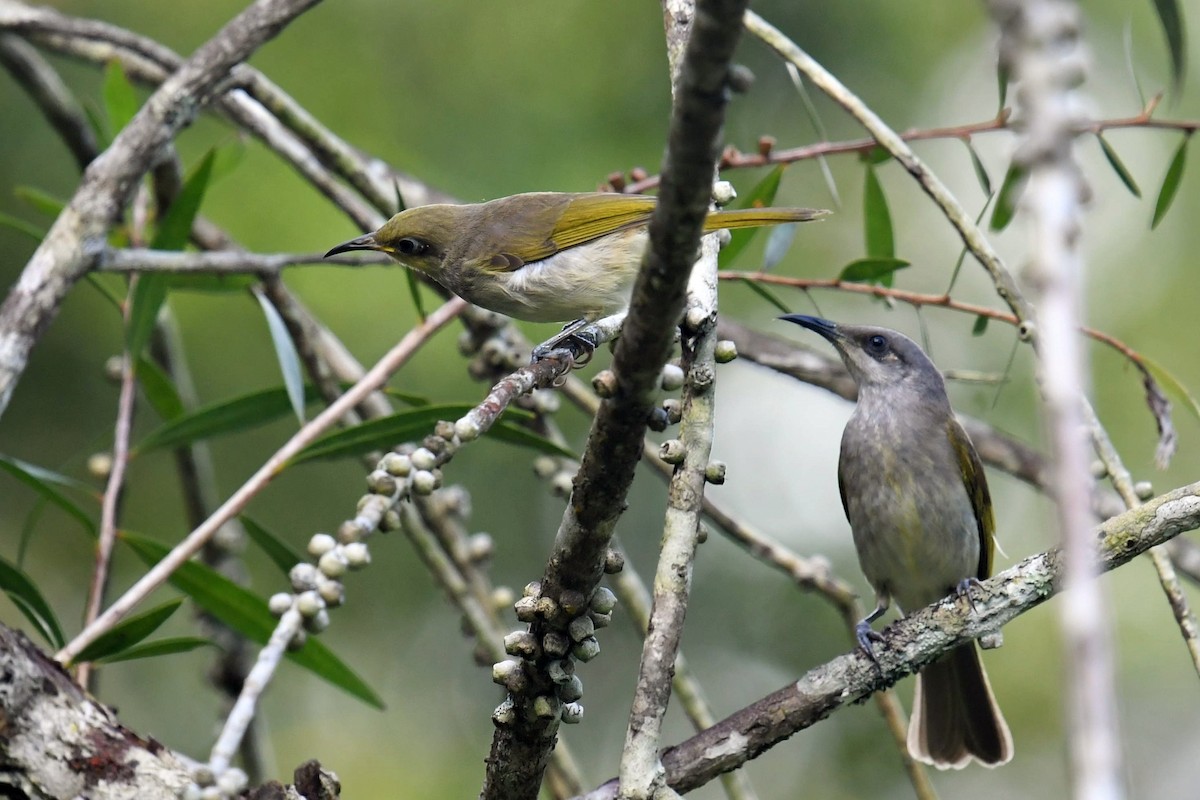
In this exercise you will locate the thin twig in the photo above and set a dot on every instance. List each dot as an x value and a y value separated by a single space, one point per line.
158 574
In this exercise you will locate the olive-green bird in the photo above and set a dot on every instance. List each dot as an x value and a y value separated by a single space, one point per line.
542 256
915 494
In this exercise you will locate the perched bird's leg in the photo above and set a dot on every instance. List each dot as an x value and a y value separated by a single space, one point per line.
580 346
963 590
865 634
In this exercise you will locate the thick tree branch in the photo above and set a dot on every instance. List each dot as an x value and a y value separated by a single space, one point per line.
614 447
911 643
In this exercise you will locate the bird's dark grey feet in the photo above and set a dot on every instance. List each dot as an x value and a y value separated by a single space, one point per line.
572 339
963 590
867 637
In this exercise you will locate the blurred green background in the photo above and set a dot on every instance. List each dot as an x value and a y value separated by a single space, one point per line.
488 99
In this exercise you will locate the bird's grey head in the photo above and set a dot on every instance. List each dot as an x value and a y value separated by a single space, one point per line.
878 358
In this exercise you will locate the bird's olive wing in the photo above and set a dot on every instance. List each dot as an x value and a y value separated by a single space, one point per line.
590 216
977 488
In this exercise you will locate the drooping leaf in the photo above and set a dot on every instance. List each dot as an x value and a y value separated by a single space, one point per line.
386 432
1170 184
1154 375
149 294
211 283
120 100
175 226
1172 21
761 196
24 594
22 226
1118 166
286 355
159 647
962 254
875 156
280 552
1002 77
247 614
877 219
981 323
1129 65
810 110
40 201
779 241
766 294
38 479
217 419
871 270
159 390
128 632
1006 201
981 173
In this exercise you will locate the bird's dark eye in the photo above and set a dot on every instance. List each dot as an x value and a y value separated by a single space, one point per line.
411 247
877 345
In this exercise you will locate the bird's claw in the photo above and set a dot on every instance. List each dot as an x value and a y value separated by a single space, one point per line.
963 590
579 348
866 637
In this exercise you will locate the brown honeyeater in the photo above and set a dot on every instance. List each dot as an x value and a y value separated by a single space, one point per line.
915 494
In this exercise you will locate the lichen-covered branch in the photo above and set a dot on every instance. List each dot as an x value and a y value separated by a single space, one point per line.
911 643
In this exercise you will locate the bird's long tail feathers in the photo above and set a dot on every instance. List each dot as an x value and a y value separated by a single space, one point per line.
955 717
754 217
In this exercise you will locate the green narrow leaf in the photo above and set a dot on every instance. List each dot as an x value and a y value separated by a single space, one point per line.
21 226
400 204
414 291
213 284
877 219
761 196
286 355
280 552
40 201
1137 83
36 478
159 647
95 118
120 100
24 593
810 110
1173 385
128 632
981 173
106 286
159 390
766 294
378 434
871 270
1002 83
1006 201
875 156
1118 166
247 614
1172 22
962 254
175 226
149 294
981 323
217 419
1170 184
227 158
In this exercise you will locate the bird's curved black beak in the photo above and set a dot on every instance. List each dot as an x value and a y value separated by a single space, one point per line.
366 242
827 329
